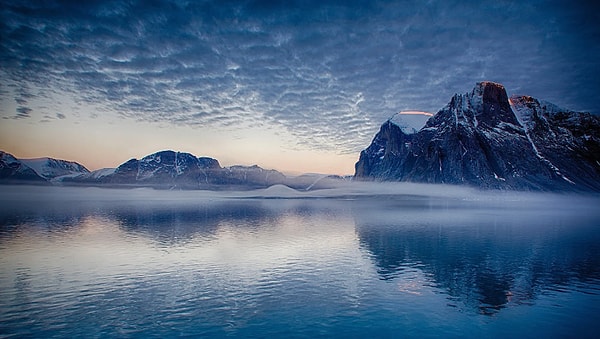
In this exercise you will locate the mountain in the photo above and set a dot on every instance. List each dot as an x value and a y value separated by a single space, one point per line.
484 139
12 170
40 170
163 170
170 169
54 169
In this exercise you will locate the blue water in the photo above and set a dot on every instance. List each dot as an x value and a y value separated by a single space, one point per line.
123 264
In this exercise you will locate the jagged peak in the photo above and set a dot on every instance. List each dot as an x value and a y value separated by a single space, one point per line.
484 92
169 158
490 92
523 99
539 105
156 156
490 84
7 157
487 103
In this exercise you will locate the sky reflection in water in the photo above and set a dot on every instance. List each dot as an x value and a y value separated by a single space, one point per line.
409 265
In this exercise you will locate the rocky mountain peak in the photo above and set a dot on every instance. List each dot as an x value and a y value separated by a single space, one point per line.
491 92
487 104
482 138
494 106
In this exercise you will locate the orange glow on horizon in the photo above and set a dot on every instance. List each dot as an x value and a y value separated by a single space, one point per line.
416 113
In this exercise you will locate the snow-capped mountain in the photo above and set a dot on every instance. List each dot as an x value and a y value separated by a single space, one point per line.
170 169
12 170
37 170
100 173
485 139
164 169
54 169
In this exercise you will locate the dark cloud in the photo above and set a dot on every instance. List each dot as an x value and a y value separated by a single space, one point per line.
327 71
23 112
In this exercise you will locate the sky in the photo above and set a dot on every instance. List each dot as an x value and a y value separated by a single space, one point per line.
298 86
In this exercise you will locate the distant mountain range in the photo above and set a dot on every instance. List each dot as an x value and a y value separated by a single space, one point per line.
487 140
482 139
164 170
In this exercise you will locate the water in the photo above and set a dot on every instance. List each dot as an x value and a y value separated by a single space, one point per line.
104 263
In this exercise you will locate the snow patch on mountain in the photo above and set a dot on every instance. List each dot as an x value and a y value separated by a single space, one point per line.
14 170
410 122
50 168
8 158
97 174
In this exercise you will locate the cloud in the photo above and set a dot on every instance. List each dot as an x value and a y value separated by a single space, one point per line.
328 72
23 112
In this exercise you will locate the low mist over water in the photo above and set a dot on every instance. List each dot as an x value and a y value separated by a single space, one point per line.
364 260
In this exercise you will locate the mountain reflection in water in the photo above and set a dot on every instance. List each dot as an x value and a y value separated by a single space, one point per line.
480 256
134 263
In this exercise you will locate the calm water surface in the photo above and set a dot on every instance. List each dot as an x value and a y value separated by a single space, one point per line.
124 265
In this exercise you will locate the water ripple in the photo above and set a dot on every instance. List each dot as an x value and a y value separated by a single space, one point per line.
297 268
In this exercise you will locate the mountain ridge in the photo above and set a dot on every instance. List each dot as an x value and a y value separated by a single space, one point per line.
478 140
12 170
165 169
54 169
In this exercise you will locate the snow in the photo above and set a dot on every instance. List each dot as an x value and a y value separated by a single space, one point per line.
39 165
464 108
455 111
465 151
410 122
315 182
524 116
566 179
97 174
156 157
178 169
476 98
523 113
498 178
278 191
8 158
62 177
145 175
53 168
551 108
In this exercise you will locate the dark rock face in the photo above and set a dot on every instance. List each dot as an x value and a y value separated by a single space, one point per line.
385 156
483 139
567 142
